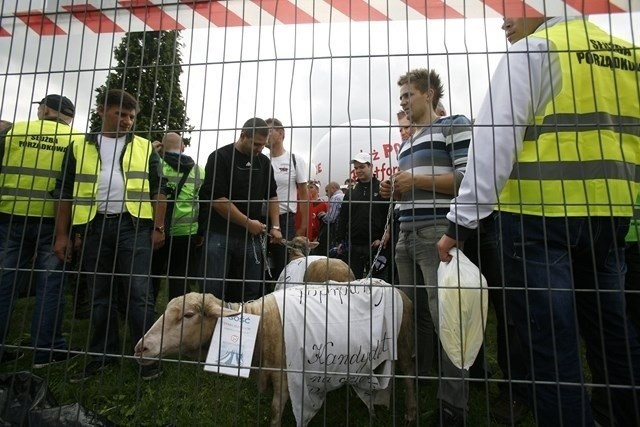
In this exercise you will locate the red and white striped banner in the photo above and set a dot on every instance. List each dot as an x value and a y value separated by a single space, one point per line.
110 16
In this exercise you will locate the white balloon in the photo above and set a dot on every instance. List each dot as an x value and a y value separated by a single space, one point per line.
333 153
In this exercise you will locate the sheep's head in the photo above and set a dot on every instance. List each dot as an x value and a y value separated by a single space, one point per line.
185 328
299 247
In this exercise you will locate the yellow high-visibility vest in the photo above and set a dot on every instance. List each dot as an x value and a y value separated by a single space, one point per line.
135 167
184 221
581 157
32 159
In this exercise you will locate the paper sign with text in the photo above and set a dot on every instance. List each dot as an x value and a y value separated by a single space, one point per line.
231 349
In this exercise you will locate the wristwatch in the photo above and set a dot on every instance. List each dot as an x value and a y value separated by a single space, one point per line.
275 227
159 229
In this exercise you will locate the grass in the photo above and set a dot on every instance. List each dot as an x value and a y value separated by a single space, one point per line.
186 395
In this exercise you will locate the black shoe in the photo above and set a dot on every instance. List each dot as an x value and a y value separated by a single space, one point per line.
90 370
150 372
7 356
448 416
509 410
54 357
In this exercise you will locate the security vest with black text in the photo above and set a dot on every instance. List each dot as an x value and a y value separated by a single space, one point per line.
33 155
135 167
581 157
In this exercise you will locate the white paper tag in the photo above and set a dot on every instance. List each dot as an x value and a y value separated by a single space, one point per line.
231 349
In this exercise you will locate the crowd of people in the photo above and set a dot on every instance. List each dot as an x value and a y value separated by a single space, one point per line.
539 191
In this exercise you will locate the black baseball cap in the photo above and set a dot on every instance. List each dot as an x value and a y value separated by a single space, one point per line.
59 103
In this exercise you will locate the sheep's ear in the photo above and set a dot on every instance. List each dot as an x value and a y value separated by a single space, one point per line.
313 245
219 311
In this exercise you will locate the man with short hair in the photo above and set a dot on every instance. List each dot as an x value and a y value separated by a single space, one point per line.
561 121
431 165
291 175
240 189
111 191
406 130
315 207
362 222
31 155
179 257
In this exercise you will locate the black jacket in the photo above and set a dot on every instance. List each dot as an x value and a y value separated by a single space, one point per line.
363 214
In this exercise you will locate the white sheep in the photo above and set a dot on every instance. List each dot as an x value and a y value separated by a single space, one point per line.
187 327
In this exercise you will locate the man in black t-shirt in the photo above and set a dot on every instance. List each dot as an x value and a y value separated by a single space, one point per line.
241 192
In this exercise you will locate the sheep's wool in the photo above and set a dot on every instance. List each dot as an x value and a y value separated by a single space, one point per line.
293 273
350 331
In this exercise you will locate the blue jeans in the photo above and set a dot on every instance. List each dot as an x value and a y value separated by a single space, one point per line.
565 279
234 267
20 241
117 251
417 262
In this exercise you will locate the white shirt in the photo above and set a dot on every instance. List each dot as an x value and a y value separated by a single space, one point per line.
520 88
288 175
111 188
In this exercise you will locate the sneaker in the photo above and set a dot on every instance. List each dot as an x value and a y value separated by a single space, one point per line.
10 356
448 416
150 372
509 409
54 357
90 370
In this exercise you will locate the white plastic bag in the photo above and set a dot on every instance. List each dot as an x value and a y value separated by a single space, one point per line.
462 308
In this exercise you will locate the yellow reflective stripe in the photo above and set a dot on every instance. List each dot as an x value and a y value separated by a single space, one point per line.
85 201
576 170
176 179
138 195
597 197
20 170
21 192
185 220
86 177
137 175
570 122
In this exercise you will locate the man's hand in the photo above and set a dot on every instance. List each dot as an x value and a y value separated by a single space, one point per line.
157 239
276 236
444 245
63 249
385 189
255 227
403 182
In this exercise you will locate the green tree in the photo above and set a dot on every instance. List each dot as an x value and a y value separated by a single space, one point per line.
149 67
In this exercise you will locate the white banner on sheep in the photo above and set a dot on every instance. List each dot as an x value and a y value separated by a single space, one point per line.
349 337
231 349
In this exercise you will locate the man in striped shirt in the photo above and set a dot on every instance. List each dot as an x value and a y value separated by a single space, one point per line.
431 166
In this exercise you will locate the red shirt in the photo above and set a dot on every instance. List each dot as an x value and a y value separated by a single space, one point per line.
313 224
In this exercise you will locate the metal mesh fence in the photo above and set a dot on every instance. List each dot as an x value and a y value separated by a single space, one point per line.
423 207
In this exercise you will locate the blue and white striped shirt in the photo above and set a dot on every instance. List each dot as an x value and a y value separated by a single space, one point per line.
438 149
